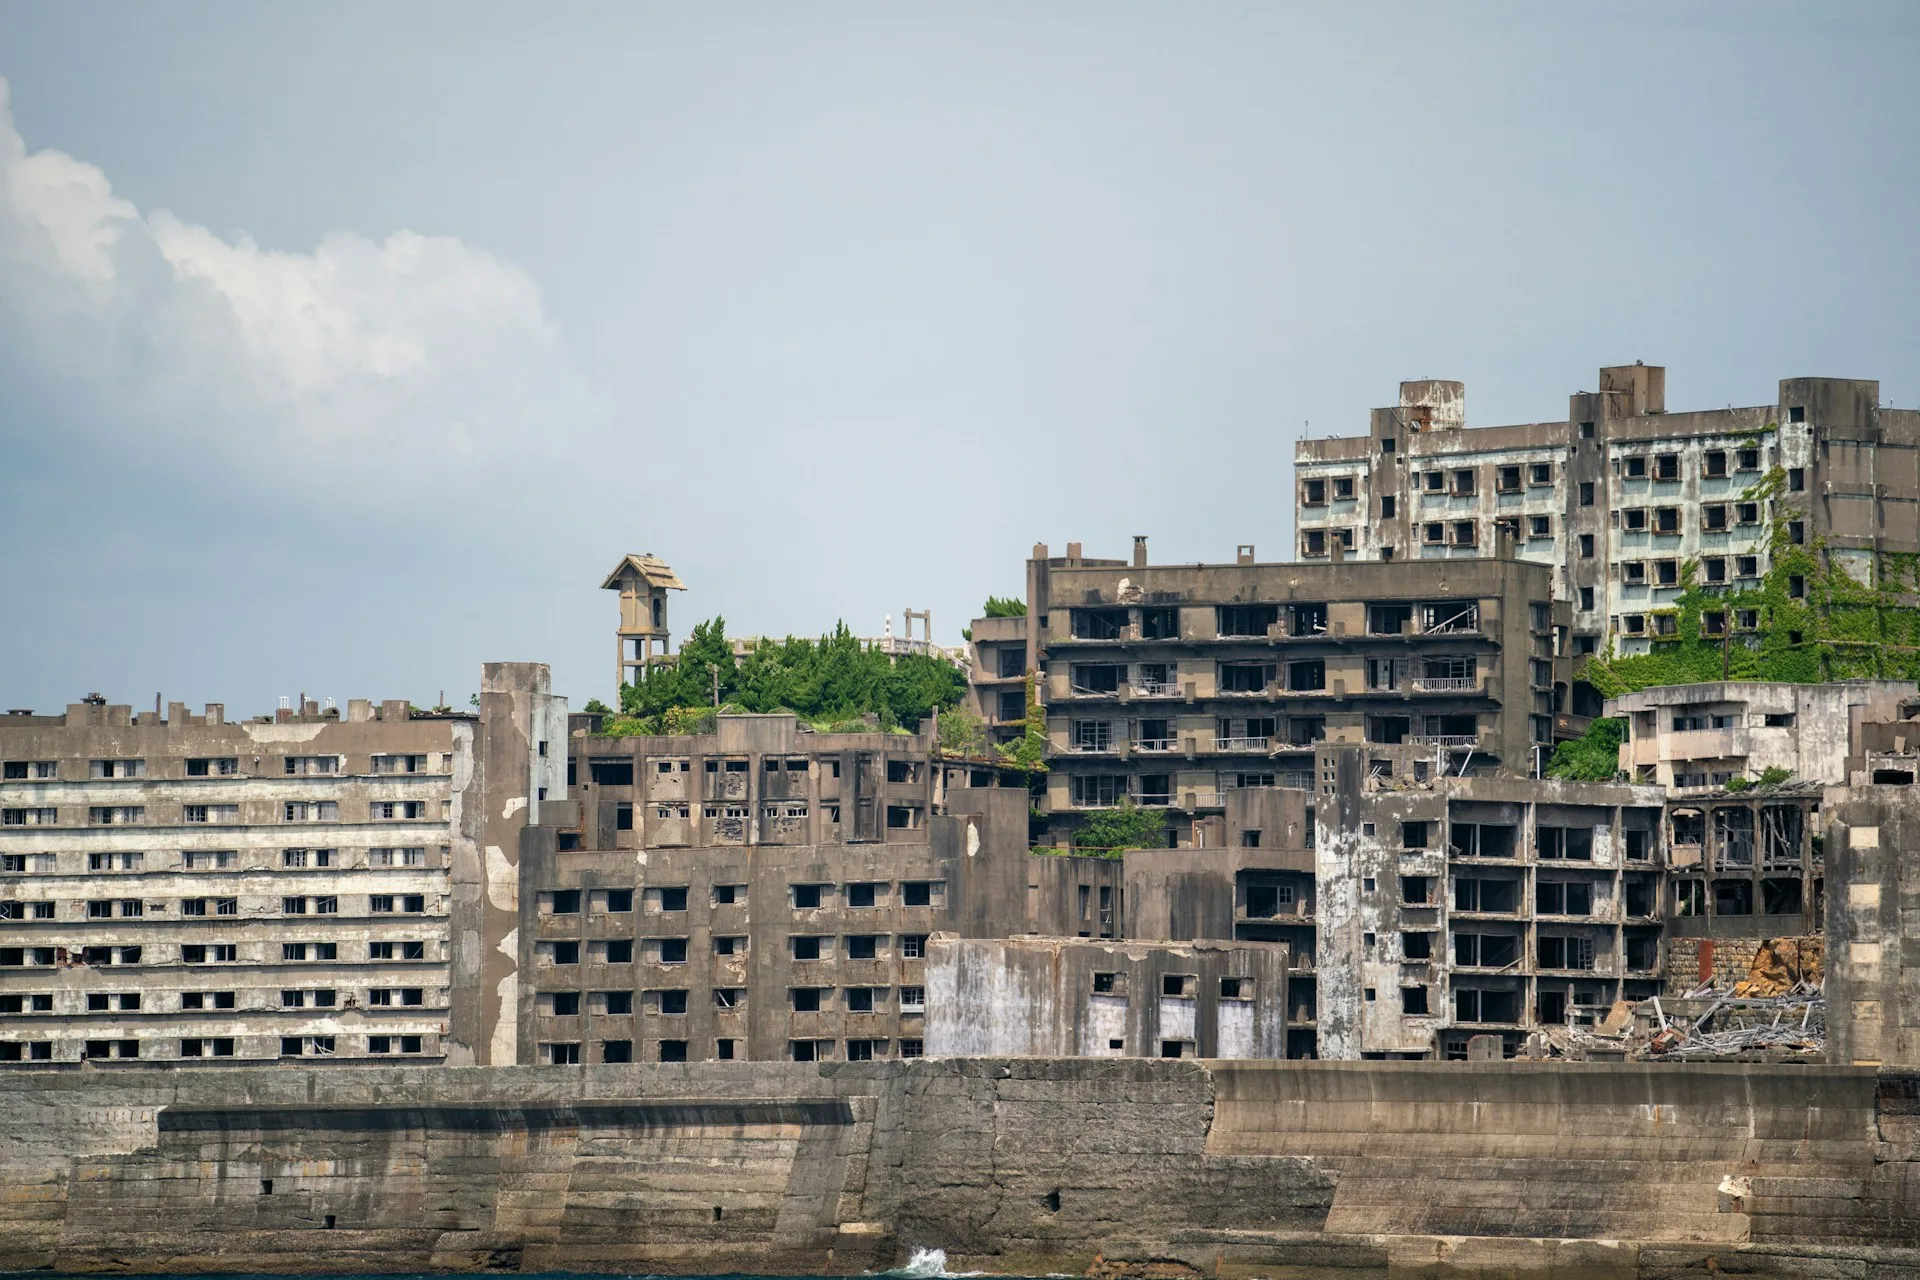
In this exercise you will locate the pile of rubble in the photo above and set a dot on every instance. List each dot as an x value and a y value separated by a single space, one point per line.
1791 1026
1776 1012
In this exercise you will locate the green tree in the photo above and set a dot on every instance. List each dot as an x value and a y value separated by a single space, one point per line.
834 679
1004 607
1593 757
962 733
1113 831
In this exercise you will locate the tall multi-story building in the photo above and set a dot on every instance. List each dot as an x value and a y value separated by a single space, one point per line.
755 892
1622 494
1480 906
186 888
179 888
1175 685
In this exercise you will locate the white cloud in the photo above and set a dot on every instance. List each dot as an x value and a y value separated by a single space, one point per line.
415 357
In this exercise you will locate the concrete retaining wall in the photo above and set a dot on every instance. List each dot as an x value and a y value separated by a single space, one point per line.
1022 1166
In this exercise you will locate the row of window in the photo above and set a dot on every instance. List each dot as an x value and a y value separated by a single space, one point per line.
197 953
1258 621
802 897
673 1001
1715 517
1666 573
1308 675
216 860
1667 468
220 767
1779 896
1796 534
1507 897
133 815
1434 533
780 817
567 1052
201 1001
1156 790
139 908
617 771
1712 623
1463 482
671 951
208 1047
1316 491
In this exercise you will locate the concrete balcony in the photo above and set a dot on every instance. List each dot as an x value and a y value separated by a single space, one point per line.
1449 684
1690 744
1446 741
1154 689
1296 912
1241 744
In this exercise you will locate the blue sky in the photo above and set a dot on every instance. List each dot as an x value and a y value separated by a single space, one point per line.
345 347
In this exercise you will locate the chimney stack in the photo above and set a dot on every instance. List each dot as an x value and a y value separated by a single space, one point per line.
1139 550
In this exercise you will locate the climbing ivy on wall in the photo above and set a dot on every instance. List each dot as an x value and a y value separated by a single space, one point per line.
1838 628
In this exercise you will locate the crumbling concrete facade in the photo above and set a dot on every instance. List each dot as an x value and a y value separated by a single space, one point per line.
1873 922
183 890
1073 998
1694 738
1479 907
759 892
1175 686
1746 861
1621 494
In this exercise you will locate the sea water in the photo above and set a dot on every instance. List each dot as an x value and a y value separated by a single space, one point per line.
924 1264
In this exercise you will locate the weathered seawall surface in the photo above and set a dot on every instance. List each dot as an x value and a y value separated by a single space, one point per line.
1024 1166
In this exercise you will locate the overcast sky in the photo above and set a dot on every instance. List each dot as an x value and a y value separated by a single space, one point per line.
343 347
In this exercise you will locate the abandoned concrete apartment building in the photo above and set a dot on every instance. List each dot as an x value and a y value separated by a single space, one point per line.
788 885
1361 862
1620 495
181 888
1353 743
761 891
184 887
1177 685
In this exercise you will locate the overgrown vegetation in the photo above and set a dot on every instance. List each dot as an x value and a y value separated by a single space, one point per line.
1804 620
1769 777
1029 750
835 684
1004 607
1595 757
1810 620
1111 832
962 733
595 707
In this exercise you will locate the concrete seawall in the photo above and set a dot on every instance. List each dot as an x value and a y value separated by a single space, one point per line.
1020 1166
